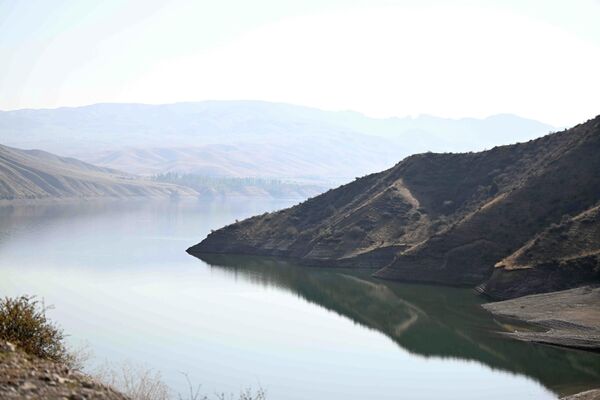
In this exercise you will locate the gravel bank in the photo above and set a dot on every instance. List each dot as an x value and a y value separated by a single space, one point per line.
25 377
568 318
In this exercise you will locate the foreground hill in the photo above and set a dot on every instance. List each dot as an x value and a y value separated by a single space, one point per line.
568 251
442 218
35 174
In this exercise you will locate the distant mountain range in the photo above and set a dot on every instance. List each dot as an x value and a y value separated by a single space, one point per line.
250 138
513 220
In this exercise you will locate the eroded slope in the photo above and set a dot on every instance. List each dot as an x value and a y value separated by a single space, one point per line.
444 218
564 255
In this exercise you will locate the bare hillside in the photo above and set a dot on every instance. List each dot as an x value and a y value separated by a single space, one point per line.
35 174
442 218
568 251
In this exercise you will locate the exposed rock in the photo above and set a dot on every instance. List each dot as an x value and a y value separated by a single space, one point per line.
26 377
587 395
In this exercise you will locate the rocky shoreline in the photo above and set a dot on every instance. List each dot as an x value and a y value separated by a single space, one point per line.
23 376
587 395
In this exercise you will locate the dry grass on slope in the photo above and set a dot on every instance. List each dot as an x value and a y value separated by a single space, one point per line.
35 174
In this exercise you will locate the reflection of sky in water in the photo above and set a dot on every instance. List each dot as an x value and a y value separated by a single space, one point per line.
121 281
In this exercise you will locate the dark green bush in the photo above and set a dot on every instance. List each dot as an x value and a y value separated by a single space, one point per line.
23 322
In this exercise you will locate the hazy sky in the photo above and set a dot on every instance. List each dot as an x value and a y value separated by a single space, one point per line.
539 59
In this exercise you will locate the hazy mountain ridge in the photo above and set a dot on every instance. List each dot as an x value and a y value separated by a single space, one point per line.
322 161
267 139
35 174
443 218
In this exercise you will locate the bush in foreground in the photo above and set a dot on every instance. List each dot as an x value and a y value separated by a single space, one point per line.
23 322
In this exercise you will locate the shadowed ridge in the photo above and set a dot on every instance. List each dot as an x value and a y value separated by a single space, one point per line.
443 218
559 177
564 255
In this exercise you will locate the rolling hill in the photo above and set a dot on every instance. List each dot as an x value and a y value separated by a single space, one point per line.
35 174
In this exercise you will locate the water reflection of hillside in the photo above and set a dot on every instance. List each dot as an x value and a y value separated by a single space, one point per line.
430 321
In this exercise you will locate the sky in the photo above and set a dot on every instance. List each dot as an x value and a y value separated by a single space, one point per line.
537 59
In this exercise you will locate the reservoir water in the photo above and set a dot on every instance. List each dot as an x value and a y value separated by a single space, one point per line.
120 282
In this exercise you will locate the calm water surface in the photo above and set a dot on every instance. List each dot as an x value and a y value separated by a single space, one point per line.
120 280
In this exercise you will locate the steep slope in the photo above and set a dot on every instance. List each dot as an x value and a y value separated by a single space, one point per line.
34 174
564 255
444 218
541 181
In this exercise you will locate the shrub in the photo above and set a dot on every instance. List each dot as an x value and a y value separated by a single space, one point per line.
291 231
23 322
565 219
141 383
135 381
356 232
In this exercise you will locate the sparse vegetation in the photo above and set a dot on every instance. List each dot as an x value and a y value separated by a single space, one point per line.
291 232
356 232
135 381
23 322
141 383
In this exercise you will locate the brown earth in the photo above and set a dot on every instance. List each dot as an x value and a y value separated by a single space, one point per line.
446 218
24 376
564 255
